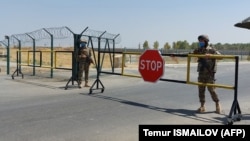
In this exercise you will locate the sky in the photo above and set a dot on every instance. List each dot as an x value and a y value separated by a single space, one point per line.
136 21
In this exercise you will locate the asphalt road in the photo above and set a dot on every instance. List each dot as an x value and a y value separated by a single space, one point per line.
40 109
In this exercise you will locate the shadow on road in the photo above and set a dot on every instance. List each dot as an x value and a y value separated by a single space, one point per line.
186 113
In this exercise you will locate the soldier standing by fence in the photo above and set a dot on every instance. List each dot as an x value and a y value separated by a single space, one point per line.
206 70
84 59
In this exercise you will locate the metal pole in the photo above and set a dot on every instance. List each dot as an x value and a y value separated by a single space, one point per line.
99 57
113 69
8 54
84 30
6 47
19 55
51 53
34 55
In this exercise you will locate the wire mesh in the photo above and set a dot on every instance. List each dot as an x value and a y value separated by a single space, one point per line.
61 33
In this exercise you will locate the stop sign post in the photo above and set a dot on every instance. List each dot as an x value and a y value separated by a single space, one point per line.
151 65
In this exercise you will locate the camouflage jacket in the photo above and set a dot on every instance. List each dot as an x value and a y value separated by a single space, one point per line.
84 55
206 65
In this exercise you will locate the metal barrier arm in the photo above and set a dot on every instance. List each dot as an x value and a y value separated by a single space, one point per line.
235 112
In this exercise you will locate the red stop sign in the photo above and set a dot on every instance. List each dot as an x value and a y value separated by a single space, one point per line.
151 65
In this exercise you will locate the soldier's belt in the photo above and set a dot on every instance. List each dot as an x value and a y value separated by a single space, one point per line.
82 56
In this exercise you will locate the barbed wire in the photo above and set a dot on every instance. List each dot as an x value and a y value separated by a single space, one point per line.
105 36
61 33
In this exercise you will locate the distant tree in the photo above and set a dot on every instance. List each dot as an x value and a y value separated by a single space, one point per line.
181 45
156 45
184 45
175 45
194 45
145 45
218 46
178 44
166 46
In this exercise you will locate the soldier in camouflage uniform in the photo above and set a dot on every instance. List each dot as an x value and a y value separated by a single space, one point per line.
84 60
206 70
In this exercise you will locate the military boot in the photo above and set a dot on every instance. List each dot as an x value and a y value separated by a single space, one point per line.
80 84
202 108
217 108
86 84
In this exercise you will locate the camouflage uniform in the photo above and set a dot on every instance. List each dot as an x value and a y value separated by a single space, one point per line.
206 69
84 60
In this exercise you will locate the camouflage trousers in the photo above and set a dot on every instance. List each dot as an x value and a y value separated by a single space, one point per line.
83 67
206 78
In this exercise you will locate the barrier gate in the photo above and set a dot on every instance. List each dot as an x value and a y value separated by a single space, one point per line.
234 114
